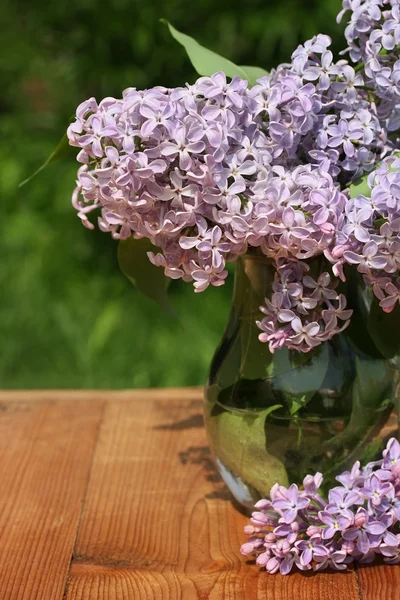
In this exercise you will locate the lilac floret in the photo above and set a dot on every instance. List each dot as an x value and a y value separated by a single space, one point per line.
359 523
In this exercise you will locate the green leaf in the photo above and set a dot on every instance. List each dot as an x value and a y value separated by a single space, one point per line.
62 149
379 222
303 379
384 328
296 405
373 380
206 62
360 186
146 277
254 73
357 300
371 405
240 444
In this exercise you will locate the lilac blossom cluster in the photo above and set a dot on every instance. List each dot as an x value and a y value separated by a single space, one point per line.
215 170
369 237
373 36
318 111
359 522
302 312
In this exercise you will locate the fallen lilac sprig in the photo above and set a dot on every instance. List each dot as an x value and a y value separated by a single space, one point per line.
359 522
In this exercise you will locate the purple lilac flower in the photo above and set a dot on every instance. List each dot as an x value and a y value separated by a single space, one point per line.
372 35
391 554
376 490
350 479
216 169
341 499
333 559
391 455
335 523
290 502
369 233
306 313
310 549
312 483
365 531
359 523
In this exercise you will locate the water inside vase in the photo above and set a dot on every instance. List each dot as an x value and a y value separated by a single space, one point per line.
276 417
300 419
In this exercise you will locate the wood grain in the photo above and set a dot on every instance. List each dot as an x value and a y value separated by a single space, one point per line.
45 454
114 496
161 394
158 522
381 581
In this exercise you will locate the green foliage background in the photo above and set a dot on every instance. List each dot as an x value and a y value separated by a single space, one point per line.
68 318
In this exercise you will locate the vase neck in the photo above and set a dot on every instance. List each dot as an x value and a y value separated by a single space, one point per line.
253 283
240 353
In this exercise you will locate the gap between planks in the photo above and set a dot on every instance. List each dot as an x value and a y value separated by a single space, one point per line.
84 496
358 583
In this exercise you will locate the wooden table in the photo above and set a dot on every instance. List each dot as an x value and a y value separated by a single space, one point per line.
113 496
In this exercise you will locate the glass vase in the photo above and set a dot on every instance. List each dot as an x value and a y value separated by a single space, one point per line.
277 417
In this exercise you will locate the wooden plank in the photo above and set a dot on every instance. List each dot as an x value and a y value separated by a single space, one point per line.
379 582
46 449
190 393
158 522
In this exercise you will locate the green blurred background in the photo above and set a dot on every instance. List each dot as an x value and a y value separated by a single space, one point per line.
68 318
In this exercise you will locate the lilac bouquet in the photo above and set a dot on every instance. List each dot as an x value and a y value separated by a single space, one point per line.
296 172
359 522
299 166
